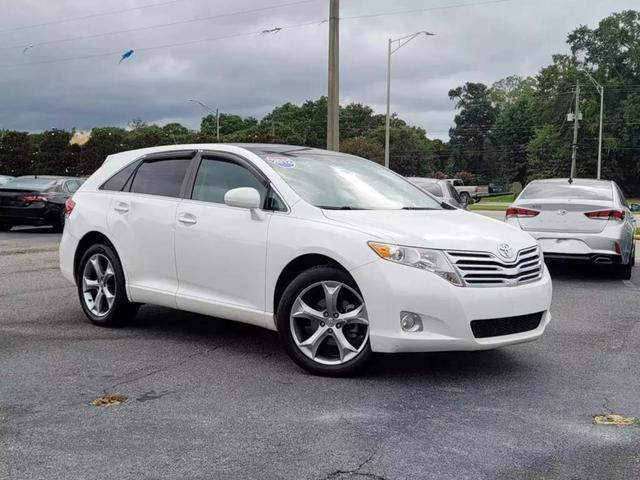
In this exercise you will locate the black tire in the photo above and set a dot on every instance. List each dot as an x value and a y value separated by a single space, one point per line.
122 311
58 223
466 198
4 227
623 271
296 287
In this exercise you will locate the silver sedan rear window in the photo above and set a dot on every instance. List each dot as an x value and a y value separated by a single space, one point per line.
584 191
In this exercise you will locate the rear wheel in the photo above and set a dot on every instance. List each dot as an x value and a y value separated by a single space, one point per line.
101 287
466 198
58 224
624 270
323 323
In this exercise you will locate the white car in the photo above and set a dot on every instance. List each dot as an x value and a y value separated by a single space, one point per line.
338 254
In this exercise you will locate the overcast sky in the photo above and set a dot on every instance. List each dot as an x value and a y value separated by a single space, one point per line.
250 74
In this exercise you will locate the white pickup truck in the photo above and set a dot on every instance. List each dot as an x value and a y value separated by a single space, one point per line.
468 193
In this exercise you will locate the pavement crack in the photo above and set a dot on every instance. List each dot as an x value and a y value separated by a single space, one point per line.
164 368
356 471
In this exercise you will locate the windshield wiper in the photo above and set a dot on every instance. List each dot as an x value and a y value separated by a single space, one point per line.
345 207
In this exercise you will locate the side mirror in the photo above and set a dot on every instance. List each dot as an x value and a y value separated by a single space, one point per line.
635 207
243 198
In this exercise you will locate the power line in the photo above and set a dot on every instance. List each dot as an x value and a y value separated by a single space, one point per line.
158 25
324 20
419 10
93 15
155 47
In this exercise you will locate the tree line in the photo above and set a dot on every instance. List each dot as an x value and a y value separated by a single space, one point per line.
515 130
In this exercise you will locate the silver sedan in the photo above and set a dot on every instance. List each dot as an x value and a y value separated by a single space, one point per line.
443 190
585 220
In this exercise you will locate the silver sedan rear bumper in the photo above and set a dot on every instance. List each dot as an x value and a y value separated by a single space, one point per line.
595 248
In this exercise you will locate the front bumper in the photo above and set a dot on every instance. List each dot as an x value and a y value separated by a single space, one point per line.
446 310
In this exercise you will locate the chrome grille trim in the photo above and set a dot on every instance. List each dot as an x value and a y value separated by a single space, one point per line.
484 269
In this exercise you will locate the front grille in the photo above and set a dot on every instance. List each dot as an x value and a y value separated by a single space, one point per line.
496 327
483 269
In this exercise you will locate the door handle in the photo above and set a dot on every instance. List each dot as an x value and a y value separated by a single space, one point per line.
121 207
187 219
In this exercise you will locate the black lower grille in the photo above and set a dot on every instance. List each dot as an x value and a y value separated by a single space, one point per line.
496 327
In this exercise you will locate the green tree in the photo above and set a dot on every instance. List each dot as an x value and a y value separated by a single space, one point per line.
473 128
15 150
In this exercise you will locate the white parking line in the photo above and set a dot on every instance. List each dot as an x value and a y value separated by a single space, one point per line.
629 283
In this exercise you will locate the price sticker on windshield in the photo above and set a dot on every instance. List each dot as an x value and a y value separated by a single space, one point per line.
282 162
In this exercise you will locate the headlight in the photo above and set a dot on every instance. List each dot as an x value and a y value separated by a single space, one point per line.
432 260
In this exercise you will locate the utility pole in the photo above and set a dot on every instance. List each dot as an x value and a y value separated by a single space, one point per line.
333 106
600 89
600 135
576 119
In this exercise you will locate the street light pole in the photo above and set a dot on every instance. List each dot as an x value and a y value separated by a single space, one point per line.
401 42
212 112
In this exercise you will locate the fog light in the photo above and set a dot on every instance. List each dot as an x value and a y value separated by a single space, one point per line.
410 322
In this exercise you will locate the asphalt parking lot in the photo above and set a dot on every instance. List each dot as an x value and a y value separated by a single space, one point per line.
211 399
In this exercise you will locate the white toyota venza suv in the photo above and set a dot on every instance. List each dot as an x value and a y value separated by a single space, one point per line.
338 254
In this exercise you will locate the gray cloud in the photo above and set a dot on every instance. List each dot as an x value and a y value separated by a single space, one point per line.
249 75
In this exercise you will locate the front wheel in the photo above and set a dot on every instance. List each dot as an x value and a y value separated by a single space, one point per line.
323 323
101 287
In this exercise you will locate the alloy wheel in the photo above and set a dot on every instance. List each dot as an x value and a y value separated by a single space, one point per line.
99 285
329 323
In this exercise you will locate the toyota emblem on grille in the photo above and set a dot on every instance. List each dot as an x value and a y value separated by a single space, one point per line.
562 212
505 251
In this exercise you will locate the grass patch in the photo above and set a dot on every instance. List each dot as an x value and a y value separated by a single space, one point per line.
508 198
488 208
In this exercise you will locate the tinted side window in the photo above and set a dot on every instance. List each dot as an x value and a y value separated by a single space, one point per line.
454 193
161 177
72 186
118 181
623 199
217 176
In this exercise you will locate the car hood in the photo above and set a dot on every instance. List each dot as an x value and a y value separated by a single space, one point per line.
440 229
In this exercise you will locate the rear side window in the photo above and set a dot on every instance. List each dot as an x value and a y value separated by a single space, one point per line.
119 180
454 193
591 191
160 177
73 185
217 176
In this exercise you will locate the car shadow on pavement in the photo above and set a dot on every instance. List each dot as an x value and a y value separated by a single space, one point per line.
31 230
583 272
255 343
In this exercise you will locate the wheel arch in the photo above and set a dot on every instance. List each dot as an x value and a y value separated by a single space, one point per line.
89 239
298 265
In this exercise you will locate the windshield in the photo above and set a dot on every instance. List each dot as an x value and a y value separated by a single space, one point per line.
551 190
337 181
432 188
29 183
